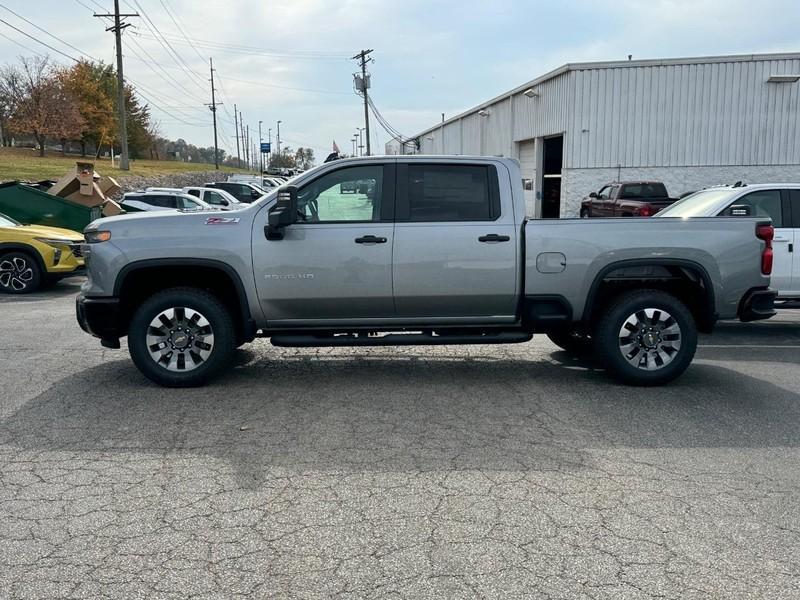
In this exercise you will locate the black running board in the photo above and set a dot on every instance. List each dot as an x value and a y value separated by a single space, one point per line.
398 339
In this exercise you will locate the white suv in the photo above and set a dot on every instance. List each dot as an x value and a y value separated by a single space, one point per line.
163 200
778 201
219 199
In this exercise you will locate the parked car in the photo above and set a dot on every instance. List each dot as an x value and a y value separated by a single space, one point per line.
31 255
168 200
626 199
219 199
442 254
243 192
251 179
777 201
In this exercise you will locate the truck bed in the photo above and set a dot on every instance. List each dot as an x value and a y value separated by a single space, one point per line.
567 257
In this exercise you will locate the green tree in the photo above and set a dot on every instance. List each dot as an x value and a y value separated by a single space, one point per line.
88 83
40 103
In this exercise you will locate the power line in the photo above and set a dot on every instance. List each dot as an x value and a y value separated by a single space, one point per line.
167 9
283 87
39 41
193 76
238 48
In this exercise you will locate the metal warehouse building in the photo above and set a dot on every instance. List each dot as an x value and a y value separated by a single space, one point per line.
690 122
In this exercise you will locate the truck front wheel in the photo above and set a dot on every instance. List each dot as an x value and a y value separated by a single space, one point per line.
181 337
646 337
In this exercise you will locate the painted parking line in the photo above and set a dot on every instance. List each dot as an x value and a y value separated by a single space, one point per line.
748 346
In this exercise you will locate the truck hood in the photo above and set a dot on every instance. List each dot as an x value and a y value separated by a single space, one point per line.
152 218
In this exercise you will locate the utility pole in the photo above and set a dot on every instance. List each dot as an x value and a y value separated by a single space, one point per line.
247 141
260 153
362 86
117 28
236 129
269 139
241 131
213 107
279 139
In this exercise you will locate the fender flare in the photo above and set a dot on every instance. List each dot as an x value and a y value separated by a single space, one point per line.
646 262
248 323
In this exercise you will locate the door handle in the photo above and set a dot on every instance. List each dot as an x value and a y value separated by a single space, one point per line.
370 239
493 237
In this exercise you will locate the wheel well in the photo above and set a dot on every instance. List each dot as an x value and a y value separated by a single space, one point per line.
689 284
24 249
141 283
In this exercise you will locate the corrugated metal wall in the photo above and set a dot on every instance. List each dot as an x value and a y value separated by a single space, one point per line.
706 113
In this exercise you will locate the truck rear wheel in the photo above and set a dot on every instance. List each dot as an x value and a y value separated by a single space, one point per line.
181 337
646 337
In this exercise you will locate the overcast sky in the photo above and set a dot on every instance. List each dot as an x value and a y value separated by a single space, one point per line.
430 56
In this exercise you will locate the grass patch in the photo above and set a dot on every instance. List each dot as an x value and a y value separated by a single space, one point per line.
25 165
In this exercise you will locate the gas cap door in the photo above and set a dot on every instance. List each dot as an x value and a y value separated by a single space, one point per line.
551 262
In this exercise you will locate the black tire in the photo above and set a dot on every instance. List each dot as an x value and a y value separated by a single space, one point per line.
210 309
585 214
650 339
20 273
572 340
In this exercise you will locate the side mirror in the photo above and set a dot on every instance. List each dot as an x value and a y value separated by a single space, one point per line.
283 214
593 195
740 210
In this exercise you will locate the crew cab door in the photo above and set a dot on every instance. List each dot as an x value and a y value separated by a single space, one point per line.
335 263
455 245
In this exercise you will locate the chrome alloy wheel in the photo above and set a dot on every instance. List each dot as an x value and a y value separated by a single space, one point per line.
15 273
180 339
650 339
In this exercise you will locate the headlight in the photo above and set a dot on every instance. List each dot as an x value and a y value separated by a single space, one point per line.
95 237
55 242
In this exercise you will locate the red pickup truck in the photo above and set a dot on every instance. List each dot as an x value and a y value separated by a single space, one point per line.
626 199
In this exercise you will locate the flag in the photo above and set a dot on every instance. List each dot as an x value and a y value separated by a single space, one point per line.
335 147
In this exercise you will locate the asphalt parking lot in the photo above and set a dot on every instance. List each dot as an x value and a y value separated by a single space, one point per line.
468 472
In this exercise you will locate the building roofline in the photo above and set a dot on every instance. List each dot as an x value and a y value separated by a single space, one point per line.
613 64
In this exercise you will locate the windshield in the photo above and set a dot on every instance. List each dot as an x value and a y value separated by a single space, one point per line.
700 204
6 221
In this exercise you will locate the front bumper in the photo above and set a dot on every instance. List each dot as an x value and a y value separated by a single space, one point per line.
101 318
757 304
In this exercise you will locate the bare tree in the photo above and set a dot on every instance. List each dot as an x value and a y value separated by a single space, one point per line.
40 103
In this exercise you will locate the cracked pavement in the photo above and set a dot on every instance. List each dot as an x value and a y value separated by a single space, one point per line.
445 472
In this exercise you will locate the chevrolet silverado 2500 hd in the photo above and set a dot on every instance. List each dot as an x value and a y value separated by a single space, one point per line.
427 250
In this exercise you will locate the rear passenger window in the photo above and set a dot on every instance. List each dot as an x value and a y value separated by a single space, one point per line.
450 193
195 193
763 203
794 202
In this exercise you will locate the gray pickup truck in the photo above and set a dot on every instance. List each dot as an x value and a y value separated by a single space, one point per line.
427 250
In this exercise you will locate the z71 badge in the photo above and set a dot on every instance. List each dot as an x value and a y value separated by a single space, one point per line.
222 220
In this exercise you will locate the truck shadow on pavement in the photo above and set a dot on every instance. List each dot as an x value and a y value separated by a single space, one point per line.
406 411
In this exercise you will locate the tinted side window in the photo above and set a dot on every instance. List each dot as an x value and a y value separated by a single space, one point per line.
156 200
195 193
449 193
763 203
794 201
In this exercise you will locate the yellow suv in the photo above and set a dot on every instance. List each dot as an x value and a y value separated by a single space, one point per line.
33 254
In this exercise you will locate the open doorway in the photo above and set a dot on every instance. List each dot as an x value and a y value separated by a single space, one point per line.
551 177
